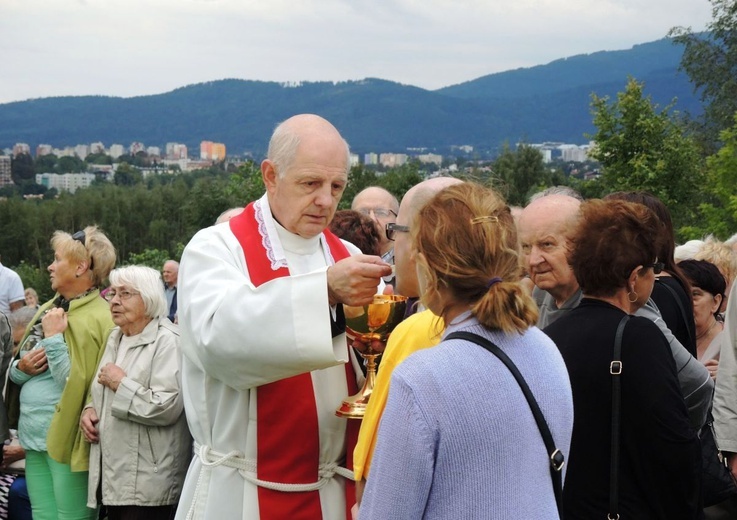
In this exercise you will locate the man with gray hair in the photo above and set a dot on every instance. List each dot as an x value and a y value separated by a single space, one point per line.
266 361
417 332
544 226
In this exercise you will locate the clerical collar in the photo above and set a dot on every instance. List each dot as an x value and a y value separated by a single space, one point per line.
272 233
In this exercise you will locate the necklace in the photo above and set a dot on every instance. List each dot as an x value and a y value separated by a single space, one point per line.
700 336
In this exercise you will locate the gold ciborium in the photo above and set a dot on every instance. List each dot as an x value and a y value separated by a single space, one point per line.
366 324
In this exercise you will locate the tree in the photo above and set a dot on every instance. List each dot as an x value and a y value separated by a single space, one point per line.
718 214
521 173
21 168
640 148
127 175
70 164
710 60
45 163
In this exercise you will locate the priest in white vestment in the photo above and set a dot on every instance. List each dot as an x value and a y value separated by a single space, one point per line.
265 356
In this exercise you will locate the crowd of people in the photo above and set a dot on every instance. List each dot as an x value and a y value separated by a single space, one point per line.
562 360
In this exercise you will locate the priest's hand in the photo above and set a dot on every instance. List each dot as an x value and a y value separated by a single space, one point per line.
354 280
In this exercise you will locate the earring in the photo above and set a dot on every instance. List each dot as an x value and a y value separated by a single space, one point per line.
629 296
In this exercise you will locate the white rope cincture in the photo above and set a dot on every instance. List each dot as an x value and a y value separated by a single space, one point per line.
247 468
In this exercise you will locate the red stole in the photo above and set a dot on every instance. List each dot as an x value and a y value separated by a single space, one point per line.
289 443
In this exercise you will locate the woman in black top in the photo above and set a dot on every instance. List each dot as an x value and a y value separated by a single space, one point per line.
614 257
672 292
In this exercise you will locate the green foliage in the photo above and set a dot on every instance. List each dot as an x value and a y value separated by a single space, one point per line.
640 148
21 168
127 175
710 60
153 258
70 164
718 215
522 171
37 278
98 158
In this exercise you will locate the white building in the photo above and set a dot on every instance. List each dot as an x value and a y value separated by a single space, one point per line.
176 151
44 149
82 150
97 148
390 160
70 182
5 176
371 159
21 148
430 158
116 150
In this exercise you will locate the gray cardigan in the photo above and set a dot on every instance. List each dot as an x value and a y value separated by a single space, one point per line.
457 438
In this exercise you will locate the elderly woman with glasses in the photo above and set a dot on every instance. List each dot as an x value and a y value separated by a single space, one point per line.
135 420
54 367
656 460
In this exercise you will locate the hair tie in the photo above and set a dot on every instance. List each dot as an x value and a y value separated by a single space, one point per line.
493 282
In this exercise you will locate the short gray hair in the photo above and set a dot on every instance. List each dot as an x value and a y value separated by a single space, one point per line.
556 190
20 318
146 281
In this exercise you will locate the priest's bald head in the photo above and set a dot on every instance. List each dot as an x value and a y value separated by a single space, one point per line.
305 173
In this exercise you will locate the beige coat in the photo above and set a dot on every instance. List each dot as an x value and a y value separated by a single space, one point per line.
145 446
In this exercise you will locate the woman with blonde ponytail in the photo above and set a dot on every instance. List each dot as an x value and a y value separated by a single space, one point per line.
457 431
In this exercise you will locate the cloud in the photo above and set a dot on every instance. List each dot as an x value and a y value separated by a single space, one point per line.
137 47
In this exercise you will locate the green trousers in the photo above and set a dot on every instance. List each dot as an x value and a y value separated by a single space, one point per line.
56 492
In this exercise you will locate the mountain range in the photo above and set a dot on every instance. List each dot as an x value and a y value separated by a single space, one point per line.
544 103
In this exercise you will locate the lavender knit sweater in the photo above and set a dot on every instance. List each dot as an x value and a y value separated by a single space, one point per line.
458 439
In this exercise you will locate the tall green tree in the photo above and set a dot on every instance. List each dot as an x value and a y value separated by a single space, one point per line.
521 172
718 214
642 148
21 168
710 60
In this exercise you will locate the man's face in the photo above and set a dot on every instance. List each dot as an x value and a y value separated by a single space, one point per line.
404 261
169 274
380 206
544 250
304 199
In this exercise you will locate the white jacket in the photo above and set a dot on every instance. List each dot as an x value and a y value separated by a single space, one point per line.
145 445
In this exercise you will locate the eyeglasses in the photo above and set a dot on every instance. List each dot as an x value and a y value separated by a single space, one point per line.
124 295
391 227
80 237
657 267
379 212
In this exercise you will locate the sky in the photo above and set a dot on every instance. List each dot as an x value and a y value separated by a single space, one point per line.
141 47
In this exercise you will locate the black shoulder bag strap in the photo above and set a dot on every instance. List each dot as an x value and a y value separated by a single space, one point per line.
557 458
615 369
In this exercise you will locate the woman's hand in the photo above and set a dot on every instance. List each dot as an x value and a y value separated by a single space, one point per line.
34 362
12 454
110 376
88 425
712 365
54 322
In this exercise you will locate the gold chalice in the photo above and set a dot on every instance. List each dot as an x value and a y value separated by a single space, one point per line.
369 323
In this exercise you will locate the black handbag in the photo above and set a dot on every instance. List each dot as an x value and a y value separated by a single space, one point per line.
717 483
